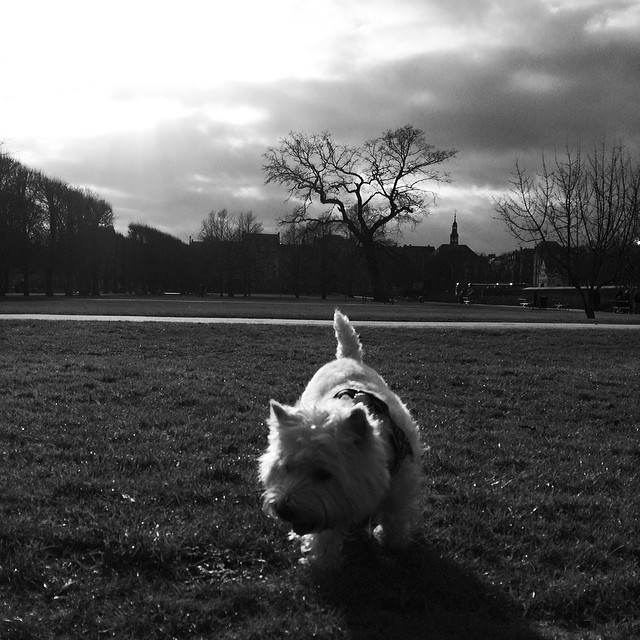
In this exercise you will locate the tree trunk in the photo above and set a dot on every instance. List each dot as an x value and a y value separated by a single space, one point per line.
50 268
375 274
69 263
590 301
26 267
25 281
95 285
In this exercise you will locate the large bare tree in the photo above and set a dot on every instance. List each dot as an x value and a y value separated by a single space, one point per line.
364 189
587 203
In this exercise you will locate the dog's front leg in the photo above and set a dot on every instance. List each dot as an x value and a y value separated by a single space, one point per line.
322 550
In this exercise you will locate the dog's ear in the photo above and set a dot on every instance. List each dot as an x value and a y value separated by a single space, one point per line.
356 426
282 415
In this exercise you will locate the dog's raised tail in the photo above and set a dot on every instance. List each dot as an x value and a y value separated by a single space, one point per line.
348 342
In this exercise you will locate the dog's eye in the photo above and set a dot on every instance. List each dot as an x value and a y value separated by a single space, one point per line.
321 475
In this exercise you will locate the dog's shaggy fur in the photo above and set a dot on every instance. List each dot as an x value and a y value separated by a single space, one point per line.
346 454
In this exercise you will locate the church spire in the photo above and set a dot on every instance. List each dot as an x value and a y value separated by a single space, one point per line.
453 238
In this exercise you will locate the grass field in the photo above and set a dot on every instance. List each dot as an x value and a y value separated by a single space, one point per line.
289 307
130 506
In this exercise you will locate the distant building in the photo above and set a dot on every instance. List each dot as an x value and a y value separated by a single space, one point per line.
454 262
515 266
453 238
546 272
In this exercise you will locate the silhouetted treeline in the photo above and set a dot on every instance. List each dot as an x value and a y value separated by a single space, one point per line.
51 231
55 238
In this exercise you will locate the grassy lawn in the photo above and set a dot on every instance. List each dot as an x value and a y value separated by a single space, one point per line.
289 307
129 506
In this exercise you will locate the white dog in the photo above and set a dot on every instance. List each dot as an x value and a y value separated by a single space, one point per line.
346 454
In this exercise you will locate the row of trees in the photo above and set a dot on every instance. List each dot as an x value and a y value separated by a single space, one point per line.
49 226
368 189
56 237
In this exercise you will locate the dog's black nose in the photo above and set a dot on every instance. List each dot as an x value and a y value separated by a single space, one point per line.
284 512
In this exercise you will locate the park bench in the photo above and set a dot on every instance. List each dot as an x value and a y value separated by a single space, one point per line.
621 307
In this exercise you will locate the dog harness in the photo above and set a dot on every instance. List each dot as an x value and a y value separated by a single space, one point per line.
379 408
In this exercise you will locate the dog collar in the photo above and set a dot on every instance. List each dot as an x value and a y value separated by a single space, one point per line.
378 407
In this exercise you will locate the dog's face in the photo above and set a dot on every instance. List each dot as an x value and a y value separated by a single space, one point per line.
324 468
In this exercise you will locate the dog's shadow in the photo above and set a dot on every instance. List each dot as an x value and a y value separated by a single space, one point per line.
417 594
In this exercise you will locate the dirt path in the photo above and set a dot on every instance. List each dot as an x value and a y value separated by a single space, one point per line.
307 322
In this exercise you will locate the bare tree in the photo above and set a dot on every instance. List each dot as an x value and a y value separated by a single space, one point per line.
586 203
367 188
248 224
216 226
222 225
229 253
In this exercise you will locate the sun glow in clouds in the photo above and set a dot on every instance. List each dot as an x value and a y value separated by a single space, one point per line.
89 68
85 114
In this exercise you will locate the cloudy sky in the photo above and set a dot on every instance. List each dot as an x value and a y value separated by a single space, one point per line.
165 108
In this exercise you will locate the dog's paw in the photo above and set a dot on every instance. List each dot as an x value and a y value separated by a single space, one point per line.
396 538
